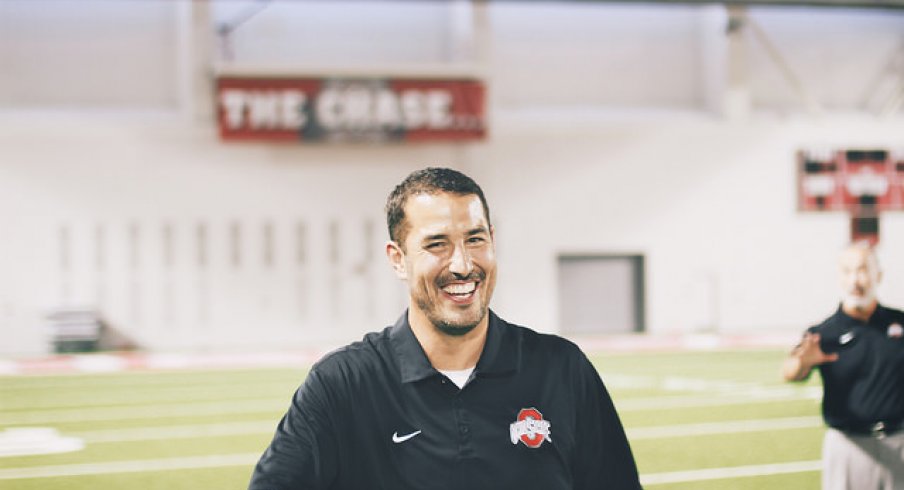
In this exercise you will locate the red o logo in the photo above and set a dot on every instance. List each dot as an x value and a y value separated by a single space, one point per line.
531 437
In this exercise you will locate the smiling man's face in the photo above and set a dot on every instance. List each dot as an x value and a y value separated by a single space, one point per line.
448 260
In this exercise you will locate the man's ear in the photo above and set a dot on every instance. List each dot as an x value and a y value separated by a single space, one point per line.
396 259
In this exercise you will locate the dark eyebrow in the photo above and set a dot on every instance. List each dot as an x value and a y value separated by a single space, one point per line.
438 236
443 236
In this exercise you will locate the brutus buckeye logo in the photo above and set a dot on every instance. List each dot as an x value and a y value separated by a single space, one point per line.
530 428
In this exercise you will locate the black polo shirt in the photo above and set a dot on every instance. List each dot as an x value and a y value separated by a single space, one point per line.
866 384
377 415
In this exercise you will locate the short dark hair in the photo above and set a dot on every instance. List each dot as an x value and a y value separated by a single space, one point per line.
431 180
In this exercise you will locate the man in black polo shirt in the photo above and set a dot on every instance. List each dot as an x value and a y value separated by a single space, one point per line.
451 396
860 354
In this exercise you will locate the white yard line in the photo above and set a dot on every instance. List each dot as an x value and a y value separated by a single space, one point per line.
134 466
178 431
29 441
690 384
697 401
46 440
727 427
733 472
699 392
49 417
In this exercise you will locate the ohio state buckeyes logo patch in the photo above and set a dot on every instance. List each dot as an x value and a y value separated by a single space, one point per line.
530 428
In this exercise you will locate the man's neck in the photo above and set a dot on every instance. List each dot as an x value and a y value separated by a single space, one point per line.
448 352
860 312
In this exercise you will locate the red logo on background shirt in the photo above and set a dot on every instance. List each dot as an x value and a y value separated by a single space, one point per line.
530 428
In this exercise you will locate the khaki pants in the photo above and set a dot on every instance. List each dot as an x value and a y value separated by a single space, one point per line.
854 462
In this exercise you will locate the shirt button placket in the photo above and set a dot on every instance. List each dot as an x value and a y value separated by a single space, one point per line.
464 429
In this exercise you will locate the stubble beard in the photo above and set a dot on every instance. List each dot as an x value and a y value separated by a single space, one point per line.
455 325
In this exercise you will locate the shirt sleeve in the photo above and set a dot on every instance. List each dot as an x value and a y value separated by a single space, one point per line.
303 452
604 458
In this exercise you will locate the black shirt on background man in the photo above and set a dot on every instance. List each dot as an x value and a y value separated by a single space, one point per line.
866 384
859 352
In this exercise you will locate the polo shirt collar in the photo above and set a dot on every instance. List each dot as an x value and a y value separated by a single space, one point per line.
413 363
501 352
877 316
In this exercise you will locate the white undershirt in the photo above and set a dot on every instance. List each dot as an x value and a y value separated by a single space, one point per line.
460 377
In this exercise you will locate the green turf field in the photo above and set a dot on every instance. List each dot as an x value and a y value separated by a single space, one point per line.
696 420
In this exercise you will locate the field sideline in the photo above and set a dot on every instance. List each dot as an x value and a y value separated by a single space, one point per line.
712 419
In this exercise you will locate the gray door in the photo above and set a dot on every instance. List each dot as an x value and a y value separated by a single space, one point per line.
601 294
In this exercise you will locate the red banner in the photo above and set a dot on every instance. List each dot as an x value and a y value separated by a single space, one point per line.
850 180
350 109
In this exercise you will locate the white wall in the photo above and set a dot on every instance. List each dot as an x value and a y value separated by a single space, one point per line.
703 200
83 172
338 33
710 202
586 54
95 53
844 58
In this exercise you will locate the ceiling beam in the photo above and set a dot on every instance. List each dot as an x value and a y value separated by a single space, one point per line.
866 4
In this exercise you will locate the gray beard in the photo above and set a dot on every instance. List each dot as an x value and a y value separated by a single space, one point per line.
858 302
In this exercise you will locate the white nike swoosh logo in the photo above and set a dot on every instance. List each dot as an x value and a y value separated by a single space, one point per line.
396 438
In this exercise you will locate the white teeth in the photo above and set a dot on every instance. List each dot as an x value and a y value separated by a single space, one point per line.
461 288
